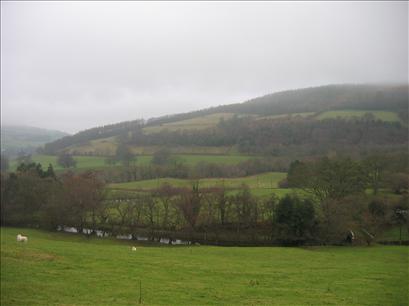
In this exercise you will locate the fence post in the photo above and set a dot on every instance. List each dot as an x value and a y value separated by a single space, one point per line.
140 291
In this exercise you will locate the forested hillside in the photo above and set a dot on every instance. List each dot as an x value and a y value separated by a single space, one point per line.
315 99
312 121
283 136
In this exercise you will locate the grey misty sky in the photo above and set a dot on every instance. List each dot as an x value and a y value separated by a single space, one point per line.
76 65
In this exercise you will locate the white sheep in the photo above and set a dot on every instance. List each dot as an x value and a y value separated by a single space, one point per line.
22 238
133 248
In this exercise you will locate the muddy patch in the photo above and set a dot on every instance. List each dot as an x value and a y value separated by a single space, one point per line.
29 255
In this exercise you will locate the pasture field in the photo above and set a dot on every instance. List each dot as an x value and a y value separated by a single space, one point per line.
83 162
267 180
187 150
381 115
98 162
290 115
262 185
103 147
107 147
68 269
192 159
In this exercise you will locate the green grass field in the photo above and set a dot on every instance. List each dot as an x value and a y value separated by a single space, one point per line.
193 159
83 162
68 269
262 185
98 162
381 115
263 181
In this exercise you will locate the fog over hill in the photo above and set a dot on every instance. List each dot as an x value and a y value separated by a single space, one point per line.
69 69
26 139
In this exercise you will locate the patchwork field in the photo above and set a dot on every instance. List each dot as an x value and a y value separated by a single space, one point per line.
207 121
188 150
67 269
292 115
107 146
101 147
197 123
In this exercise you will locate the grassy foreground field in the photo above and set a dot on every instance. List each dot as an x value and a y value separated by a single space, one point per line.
67 269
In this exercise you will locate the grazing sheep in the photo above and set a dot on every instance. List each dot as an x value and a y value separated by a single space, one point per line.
133 248
22 238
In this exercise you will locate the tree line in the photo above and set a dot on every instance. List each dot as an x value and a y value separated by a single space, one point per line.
332 199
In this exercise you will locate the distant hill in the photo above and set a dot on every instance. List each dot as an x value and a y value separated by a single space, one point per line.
16 139
205 128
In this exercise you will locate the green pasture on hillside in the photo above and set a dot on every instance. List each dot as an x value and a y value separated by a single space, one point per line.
107 147
197 123
102 147
381 115
69 269
290 115
83 162
187 150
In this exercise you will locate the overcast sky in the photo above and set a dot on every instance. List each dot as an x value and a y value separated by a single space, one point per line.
75 65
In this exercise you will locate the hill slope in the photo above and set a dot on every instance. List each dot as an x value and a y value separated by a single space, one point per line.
15 139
